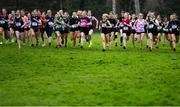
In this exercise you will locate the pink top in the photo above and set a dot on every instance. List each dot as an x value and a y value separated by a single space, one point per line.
84 22
25 18
140 26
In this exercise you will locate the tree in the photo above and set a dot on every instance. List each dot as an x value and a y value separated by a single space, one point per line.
137 7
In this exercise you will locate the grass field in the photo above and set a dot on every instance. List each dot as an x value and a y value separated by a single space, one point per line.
68 76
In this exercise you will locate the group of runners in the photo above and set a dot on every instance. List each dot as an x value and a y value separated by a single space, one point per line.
21 26
154 28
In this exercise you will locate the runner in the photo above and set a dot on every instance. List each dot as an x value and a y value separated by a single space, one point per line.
104 26
49 25
113 22
73 23
174 26
4 26
126 29
117 29
25 20
66 29
19 27
133 30
159 30
91 29
140 28
166 31
11 19
59 28
84 23
152 30
35 20
42 26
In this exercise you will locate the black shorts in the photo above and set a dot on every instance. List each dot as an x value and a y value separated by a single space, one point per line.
66 30
116 29
105 31
133 31
85 30
139 33
127 30
61 31
49 31
42 30
35 29
166 31
160 31
4 26
73 29
176 32
153 31
26 29
19 29
91 27
111 30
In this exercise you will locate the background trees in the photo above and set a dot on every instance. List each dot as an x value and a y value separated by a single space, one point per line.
164 7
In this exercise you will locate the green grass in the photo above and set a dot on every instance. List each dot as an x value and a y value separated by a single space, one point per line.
67 76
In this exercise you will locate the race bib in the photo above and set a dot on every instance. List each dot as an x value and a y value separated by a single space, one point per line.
125 28
74 26
83 24
159 28
50 23
121 25
164 29
18 24
34 24
103 24
2 22
151 26
174 26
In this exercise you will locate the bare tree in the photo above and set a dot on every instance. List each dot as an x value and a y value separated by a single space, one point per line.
137 7
114 6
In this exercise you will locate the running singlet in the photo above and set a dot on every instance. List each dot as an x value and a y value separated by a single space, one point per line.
2 21
59 26
25 19
113 22
66 21
18 23
50 21
165 28
92 19
174 25
121 23
160 27
133 24
41 25
152 25
140 26
84 22
126 23
73 22
11 21
104 24
34 23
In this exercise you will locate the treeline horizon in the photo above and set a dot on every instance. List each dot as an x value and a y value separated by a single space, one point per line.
98 7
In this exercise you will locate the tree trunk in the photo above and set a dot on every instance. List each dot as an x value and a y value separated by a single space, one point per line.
137 7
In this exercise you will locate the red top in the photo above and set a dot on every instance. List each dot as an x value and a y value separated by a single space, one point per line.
126 21
42 19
